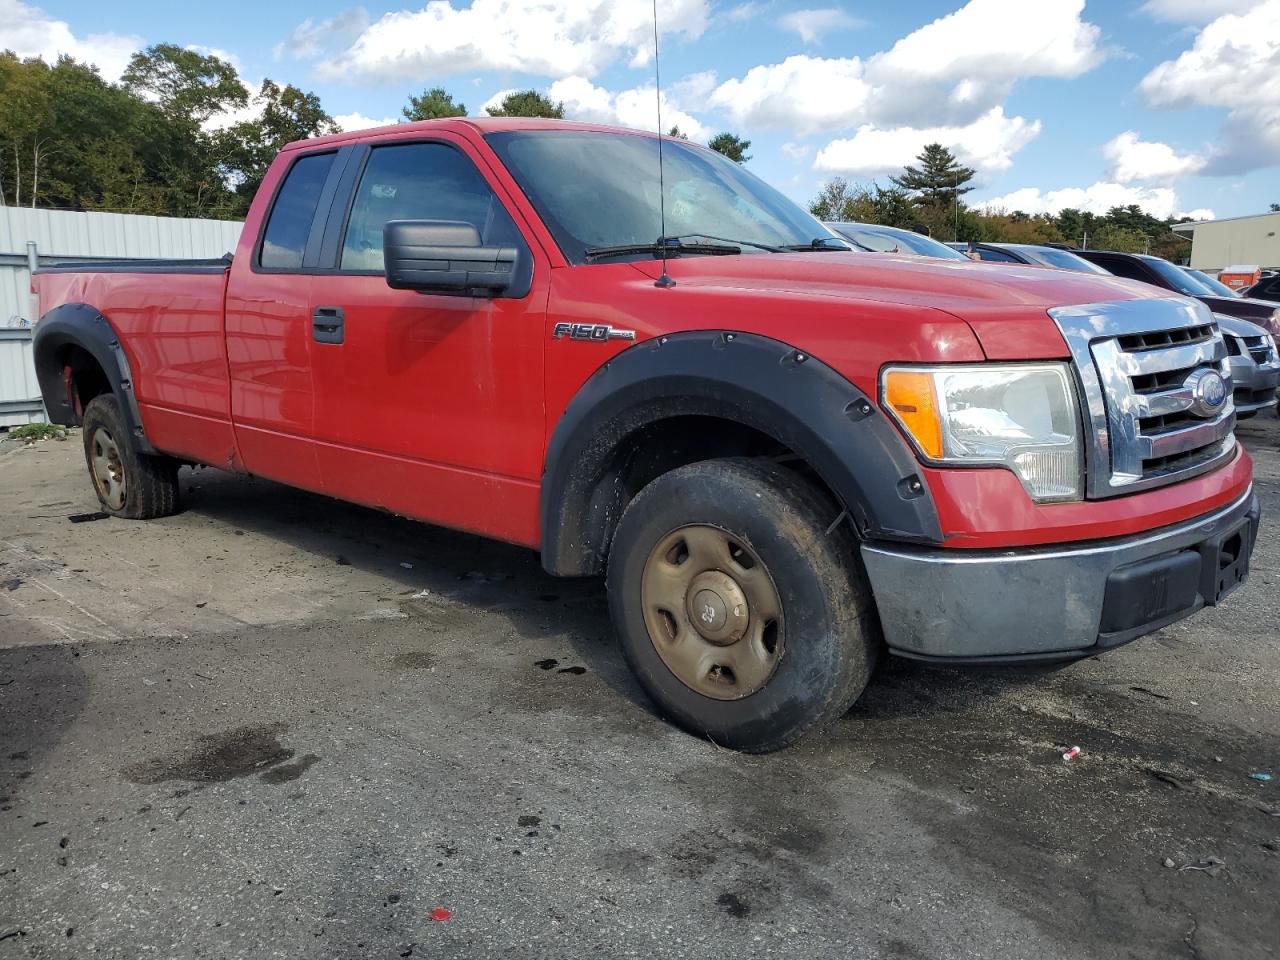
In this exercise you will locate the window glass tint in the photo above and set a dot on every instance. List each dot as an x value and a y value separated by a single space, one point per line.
1063 259
602 190
1212 283
1179 279
420 181
1129 269
997 256
285 238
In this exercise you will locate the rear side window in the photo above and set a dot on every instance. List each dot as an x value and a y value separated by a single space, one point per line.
420 181
285 238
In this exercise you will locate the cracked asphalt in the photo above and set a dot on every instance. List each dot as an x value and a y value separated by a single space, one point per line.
276 725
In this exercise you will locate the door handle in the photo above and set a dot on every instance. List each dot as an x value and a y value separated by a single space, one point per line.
327 324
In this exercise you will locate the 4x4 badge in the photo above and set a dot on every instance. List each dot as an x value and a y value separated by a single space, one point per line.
599 332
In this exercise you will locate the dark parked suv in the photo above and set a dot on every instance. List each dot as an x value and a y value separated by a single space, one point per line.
1162 273
1248 326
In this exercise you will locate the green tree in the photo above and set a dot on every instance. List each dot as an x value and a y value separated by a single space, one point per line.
1110 236
844 202
527 103
939 179
186 84
733 147
433 104
1275 208
287 114
677 133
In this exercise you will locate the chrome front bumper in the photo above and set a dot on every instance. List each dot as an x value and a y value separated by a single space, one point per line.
1253 385
1060 602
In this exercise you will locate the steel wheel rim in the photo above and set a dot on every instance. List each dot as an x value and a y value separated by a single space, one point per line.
107 469
694 580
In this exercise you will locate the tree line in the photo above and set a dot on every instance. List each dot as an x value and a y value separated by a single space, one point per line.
928 196
179 135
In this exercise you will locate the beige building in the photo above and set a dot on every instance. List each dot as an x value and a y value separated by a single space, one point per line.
1216 244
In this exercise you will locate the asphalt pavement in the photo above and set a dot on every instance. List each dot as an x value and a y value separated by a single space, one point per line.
276 725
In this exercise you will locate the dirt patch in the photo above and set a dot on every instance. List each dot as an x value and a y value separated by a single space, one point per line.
218 757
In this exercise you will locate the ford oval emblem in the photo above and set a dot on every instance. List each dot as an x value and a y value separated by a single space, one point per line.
1208 390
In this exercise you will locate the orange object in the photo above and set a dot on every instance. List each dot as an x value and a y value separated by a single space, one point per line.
1240 276
910 394
441 914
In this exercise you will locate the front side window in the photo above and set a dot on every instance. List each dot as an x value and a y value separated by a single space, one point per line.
600 190
420 181
285 240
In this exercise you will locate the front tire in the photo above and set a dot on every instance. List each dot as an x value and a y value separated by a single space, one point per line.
746 619
128 483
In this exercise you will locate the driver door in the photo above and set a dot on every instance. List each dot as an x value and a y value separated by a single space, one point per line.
429 405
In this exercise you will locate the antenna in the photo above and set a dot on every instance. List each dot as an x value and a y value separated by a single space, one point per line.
664 280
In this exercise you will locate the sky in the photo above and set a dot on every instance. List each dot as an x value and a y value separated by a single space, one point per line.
1170 104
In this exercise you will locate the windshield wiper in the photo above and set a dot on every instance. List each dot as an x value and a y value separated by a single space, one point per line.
819 245
744 243
671 246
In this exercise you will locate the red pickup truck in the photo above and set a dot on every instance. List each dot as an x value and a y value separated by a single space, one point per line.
786 456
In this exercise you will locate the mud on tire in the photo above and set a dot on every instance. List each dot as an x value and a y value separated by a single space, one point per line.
128 484
697 546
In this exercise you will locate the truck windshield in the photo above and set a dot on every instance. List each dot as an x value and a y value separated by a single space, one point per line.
600 190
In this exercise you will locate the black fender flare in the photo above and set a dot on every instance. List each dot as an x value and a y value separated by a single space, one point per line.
83 326
758 382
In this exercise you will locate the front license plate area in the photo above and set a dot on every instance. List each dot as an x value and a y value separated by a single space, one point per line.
1225 561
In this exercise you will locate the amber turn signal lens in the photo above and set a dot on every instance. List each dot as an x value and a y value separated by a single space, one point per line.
912 397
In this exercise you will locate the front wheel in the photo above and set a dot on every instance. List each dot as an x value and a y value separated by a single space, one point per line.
744 616
128 483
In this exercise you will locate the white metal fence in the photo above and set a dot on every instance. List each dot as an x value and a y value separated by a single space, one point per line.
30 237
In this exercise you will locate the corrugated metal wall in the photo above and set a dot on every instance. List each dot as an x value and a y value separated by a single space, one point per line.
62 235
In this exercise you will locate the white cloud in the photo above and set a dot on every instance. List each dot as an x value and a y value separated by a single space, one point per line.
805 94
635 108
988 143
813 25
797 151
950 73
1234 63
1194 11
30 32
540 37
358 121
1199 213
310 39
1097 198
1132 160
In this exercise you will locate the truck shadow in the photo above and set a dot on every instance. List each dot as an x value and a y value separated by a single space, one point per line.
509 580
455 567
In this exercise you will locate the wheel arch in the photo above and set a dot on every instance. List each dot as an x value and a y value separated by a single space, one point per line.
78 356
695 396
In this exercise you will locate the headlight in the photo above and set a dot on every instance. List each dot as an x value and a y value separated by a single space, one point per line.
1019 416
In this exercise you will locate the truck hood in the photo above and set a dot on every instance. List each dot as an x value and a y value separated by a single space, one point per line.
1005 304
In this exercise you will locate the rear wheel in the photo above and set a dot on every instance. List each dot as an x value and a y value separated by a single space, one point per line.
128 483
744 619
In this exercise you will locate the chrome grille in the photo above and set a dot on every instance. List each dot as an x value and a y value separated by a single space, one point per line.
1258 348
1134 359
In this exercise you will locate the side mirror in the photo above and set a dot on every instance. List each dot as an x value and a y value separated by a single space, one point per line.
445 256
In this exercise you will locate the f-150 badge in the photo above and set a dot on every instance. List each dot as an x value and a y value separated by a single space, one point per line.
599 332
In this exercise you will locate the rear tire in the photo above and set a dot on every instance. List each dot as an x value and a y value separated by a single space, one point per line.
128 483
744 619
